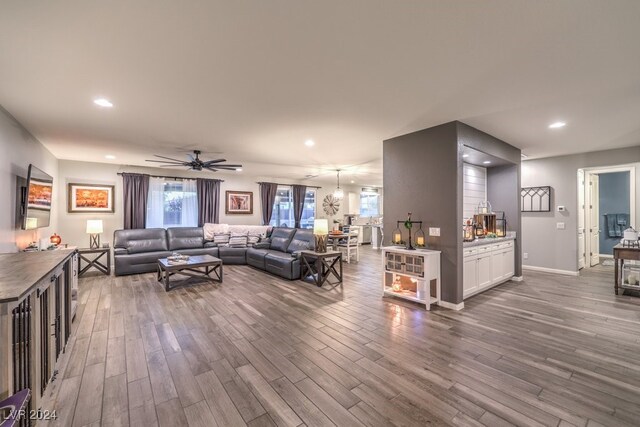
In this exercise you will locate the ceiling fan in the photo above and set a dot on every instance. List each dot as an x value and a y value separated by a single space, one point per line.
195 163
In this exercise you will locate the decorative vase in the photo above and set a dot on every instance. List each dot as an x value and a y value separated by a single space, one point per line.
55 239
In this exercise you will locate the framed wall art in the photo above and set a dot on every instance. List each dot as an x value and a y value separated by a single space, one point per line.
90 198
239 202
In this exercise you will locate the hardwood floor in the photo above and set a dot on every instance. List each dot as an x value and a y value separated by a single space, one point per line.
260 351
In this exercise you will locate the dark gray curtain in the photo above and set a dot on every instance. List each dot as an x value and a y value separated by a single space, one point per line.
135 192
299 191
268 191
208 201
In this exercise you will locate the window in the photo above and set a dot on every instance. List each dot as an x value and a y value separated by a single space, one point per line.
369 203
172 203
283 214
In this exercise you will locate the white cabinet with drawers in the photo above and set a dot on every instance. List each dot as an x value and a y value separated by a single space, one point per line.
486 266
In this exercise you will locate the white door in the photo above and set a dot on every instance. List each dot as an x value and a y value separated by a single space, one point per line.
582 251
469 275
485 273
594 217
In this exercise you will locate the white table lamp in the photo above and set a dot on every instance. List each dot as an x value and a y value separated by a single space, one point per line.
320 231
94 229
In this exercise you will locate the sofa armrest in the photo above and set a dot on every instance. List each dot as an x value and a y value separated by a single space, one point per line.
262 245
120 251
210 244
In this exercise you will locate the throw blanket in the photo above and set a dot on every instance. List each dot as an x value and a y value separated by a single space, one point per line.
211 229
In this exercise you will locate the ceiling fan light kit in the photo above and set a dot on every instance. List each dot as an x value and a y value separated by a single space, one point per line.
196 163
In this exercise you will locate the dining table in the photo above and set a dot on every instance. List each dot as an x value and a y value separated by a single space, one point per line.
335 239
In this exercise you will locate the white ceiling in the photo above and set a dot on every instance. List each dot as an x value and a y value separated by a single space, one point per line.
253 80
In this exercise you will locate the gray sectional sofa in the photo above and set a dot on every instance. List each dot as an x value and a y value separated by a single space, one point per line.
137 251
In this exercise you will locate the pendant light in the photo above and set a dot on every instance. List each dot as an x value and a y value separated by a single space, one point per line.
338 194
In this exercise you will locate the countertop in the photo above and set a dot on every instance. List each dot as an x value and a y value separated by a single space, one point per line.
21 271
490 241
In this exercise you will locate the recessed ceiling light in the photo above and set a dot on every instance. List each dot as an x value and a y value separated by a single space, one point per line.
487 162
103 102
353 182
557 125
464 156
238 169
309 143
110 157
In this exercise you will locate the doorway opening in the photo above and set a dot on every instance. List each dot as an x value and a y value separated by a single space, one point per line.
606 207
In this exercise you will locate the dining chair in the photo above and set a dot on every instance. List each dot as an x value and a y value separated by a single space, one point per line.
350 246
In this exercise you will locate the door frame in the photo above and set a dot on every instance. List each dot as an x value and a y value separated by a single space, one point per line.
631 168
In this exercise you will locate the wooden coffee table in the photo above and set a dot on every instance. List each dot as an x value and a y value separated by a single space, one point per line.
198 266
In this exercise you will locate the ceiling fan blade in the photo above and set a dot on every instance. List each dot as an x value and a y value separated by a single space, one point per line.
209 162
169 158
165 161
228 166
210 168
170 166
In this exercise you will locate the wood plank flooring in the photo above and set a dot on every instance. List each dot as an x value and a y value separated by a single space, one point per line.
261 351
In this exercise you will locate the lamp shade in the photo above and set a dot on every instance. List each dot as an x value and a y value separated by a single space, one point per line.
94 226
320 227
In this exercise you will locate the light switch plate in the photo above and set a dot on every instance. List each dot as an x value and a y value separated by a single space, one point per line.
561 208
560 226
434 231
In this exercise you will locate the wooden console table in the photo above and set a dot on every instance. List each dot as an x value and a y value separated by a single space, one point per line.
620 254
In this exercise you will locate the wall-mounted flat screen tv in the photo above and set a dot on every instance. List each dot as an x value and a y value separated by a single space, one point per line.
36 200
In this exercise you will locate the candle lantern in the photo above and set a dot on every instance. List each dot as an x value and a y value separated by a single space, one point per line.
469 232
501 224
421 240
397 236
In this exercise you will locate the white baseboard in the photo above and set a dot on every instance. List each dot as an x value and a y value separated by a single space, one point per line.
517 279
451 306
605 256
551 270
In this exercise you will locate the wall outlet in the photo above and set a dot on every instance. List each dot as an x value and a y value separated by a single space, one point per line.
434 231
525 255
560 226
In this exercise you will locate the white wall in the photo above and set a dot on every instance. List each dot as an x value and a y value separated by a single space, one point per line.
547 246
474 189
18 148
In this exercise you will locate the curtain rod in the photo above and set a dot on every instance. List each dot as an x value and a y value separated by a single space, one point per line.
176 178
287 185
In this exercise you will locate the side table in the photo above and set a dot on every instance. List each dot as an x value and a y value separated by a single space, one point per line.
321 266
92 258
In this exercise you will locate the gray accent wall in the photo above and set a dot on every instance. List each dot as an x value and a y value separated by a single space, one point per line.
503 191
18 148
547 246
423 175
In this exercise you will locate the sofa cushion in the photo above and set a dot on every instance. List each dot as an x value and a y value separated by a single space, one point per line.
255 257
238 240
281 237
209 230
221 239
145 257
252 239
303 240
141 240
185 238
233 255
